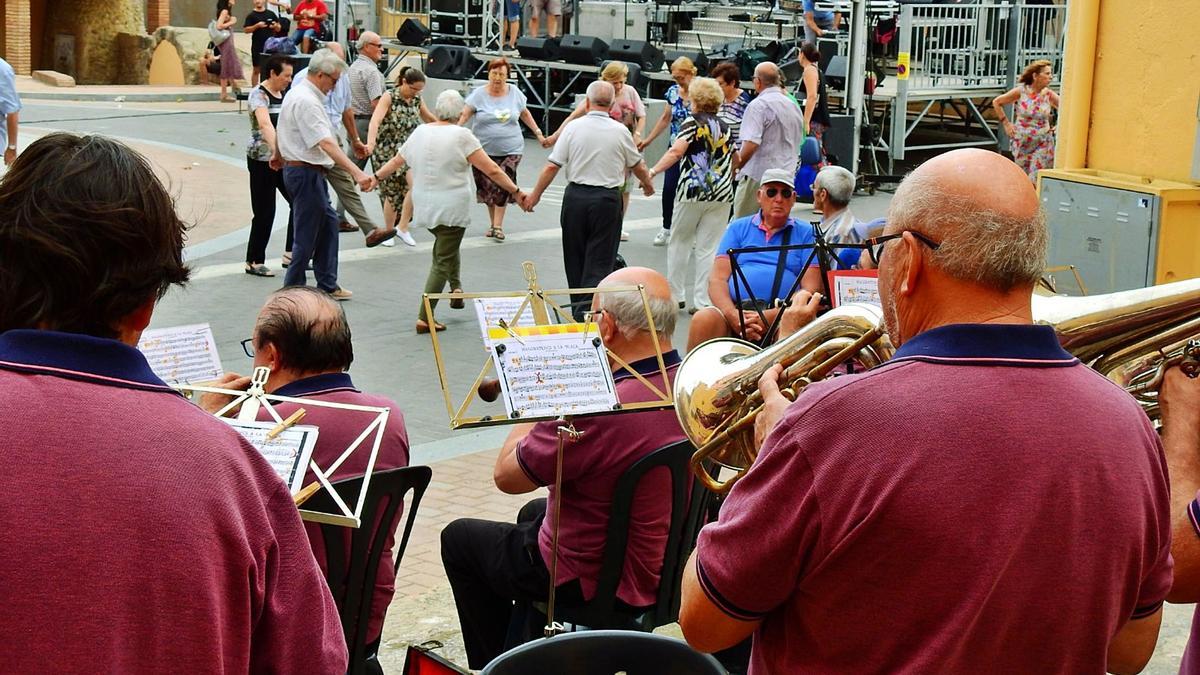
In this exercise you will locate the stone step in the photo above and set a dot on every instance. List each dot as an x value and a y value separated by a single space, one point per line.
53 78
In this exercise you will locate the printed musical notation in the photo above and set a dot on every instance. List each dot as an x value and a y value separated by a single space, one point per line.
182 354
288 453
491 310
854 286
553 370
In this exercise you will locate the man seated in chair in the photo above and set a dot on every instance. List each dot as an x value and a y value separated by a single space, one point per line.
302 335
770 274
140 534
490 565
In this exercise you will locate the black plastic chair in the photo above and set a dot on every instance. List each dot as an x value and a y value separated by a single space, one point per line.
604 652
689 503
352 582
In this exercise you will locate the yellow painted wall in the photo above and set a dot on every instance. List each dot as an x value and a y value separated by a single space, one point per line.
1145 88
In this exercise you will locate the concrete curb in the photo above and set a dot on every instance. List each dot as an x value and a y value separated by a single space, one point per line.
133 97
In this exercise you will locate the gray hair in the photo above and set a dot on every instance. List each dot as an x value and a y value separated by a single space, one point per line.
364 38
838 182
629 314
601 94
326 61
449 106
979 244
768 73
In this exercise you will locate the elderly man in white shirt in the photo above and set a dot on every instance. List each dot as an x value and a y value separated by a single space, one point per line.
597 151
341 116
306 149
832 189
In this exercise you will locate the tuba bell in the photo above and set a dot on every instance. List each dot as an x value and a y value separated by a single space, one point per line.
1130 337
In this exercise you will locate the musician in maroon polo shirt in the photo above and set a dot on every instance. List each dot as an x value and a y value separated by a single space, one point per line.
981 503
139 534
1180 401
303 336
490 565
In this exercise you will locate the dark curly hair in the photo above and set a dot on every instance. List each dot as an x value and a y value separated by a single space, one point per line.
88 234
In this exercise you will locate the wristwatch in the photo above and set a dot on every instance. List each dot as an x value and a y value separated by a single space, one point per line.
12 147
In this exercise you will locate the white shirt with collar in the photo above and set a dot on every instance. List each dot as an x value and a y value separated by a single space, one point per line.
596 150
303 124
337 100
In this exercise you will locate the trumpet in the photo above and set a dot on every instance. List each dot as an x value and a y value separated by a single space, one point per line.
1130 337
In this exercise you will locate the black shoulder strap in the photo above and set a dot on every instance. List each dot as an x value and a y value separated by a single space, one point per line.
782 264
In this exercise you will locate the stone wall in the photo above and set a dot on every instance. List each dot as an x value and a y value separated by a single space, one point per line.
199 12
95 25
133 58
191 44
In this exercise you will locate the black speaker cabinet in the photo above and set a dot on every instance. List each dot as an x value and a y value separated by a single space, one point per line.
634 78
585 50
836 72
412 33
451 62
457 6
839 140
640 52
465 26
698 57
538 48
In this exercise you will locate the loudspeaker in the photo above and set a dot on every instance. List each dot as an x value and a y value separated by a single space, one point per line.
792 71
635 72
838 140
456 25
451 62
698 57
640 52
412 33
586 50
541 49
835 72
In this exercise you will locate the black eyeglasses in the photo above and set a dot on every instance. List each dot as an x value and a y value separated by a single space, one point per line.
248 347
875 244
786 192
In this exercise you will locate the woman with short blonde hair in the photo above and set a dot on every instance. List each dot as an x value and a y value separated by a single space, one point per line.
704 154
678 103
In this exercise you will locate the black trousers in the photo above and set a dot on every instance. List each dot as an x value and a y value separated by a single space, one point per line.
670 185
264 182
591 225
495 571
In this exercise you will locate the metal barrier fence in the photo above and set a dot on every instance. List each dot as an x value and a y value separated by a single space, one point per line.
978 46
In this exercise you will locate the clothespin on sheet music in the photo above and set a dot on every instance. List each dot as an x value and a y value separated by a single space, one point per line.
257 389
505 327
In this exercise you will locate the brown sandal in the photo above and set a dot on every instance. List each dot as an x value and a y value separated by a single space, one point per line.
423 328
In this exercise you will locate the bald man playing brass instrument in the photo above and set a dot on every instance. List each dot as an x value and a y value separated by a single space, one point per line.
983 502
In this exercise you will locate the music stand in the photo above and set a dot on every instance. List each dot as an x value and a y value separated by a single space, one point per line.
248 403
821 250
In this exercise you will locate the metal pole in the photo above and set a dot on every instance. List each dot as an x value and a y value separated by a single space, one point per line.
1015 16
857 76
900 103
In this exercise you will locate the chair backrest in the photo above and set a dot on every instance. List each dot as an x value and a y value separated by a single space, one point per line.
604 652
352 582
688 501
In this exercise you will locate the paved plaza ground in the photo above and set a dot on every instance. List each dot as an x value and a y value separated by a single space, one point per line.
198 148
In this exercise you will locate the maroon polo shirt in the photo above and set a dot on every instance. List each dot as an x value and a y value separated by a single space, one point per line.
338 429
1191 656
981 503
139 533
610 444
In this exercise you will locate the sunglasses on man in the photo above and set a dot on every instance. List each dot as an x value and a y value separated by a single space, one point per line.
771 192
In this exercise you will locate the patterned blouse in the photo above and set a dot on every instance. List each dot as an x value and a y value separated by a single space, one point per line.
706 168
257 148
731 113
679 110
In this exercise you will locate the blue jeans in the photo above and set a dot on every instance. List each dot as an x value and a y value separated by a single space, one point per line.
512 9
316 229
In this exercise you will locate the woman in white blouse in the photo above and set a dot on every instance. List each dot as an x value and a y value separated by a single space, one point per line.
439 156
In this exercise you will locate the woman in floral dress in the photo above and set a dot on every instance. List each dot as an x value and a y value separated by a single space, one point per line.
1032 129
396 115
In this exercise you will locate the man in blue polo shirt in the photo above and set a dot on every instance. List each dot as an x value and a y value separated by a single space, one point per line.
750 310
816 22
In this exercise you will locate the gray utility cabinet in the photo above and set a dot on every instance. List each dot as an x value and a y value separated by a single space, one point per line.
1109 234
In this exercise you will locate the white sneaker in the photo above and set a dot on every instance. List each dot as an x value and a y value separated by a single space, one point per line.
390 242
662 237
407 238
624 235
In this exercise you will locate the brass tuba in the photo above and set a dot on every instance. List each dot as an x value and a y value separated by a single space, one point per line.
1130 337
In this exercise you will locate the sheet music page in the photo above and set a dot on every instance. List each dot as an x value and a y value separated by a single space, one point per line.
854 286
548 371
182 354
288 453
490 310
